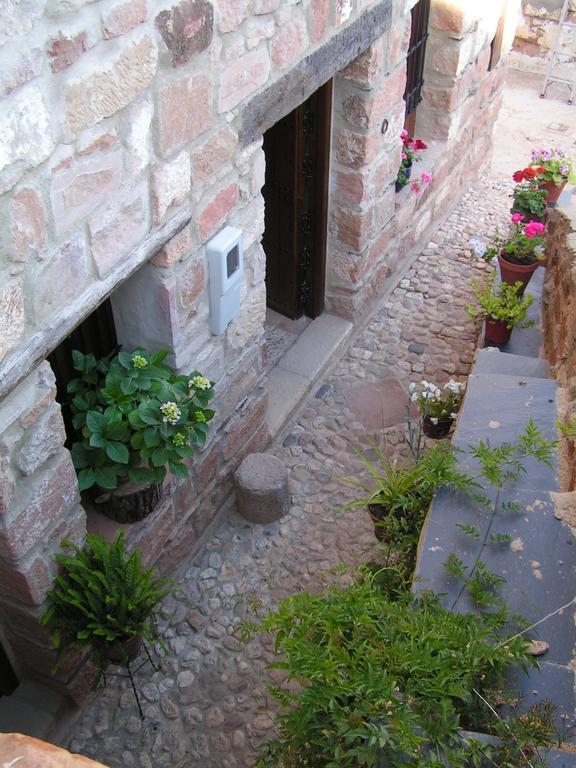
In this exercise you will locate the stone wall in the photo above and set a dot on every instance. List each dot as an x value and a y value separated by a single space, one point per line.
536 36
559 314
132 133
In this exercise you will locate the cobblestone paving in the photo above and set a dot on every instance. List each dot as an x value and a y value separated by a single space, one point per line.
207 705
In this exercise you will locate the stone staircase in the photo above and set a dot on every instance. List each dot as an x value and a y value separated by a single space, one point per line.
505 389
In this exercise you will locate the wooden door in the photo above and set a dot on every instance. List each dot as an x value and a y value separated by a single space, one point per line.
297 153
415 62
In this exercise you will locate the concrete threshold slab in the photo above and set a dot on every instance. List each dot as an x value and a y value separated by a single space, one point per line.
302 365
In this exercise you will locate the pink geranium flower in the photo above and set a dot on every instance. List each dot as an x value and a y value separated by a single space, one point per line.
425 177
517 218
415 187
534 229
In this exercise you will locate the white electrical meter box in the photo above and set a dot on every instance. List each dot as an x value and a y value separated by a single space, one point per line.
225 268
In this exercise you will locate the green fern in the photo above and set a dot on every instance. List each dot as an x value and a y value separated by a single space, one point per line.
102 597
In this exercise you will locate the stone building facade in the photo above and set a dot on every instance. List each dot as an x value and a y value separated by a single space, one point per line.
537 35
132 132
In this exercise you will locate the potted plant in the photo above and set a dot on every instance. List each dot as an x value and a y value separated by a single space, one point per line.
398 492
438 407
519 254
135 418
528 199
103 599
410 149
502 308
554 168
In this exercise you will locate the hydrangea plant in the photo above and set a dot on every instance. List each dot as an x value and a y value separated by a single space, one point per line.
135 418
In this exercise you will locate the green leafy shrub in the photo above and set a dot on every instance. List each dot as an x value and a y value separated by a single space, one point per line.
380 682
136 417
501 303
102 597
529 200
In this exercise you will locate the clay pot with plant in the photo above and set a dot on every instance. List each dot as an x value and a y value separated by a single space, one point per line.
438 406
554 168
502 308
528 199
398 493
103 600
136 419
520 253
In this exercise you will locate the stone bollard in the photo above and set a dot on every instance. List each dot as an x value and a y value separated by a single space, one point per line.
262 488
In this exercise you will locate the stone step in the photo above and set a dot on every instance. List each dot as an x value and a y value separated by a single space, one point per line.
492 361
34 710
538 562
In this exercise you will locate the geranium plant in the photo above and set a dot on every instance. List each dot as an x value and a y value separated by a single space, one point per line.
435 402
553 165
135 417
529 200
525 245
410 149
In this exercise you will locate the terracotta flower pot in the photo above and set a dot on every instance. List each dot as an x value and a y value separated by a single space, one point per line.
438 430
554 192
496 332
127 503
124 653
379 513
512 273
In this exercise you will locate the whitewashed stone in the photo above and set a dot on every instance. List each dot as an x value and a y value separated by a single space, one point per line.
11 316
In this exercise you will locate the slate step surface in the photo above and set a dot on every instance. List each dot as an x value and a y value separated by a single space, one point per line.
34 710
539 562
492 360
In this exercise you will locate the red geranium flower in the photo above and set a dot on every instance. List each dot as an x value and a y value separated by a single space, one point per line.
419 144
518 176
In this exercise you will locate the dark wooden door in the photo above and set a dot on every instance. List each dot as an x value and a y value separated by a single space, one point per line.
296 198
415 62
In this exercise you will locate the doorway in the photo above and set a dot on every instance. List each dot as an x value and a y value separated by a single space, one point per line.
297 151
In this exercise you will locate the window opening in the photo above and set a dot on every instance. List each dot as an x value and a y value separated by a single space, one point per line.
415 61
97 335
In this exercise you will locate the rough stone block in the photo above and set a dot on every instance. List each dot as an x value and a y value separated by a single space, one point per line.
186 29
184 112
81 183
18 67
26 130
28 584
262 493
47 497
118 228
257 30
11 315
170 185
110 88
319 19
191 282
64 50
354 228
452 16
209 158
123 17
366 68
61 278
355 150
288 44
216 211
41 441
242 426
231 15
135 133
243 77
265 6
17 18
174 250
28 223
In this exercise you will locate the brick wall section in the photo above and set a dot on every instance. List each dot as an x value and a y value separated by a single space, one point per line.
559 316
39 506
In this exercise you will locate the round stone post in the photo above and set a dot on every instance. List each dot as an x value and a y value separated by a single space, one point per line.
262 488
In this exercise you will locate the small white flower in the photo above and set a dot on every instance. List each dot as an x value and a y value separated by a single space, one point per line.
453 415
199 382
434 420
414 397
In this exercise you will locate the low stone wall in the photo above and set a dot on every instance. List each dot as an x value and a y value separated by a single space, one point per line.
559 316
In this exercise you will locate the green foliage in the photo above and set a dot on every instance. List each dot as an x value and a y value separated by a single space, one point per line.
501 303
529 201
136 417
522 736
102 597
380 681
500 539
